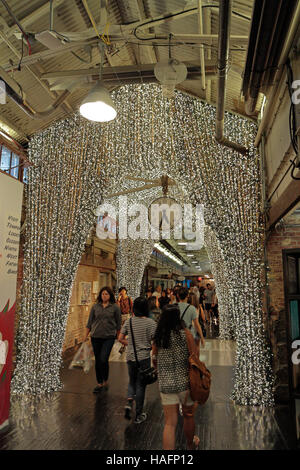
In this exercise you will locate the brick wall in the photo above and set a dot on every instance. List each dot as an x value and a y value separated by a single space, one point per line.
285 236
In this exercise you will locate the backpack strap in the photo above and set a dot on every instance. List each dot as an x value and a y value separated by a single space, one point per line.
181 318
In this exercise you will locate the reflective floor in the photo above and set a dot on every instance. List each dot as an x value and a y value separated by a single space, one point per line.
78 419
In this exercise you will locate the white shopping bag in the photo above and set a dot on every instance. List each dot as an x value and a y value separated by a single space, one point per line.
83 358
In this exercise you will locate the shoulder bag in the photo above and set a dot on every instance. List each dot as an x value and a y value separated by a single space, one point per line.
147 376
199 375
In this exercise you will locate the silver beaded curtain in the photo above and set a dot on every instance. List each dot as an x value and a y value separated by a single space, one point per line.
76 162
132 257
222 281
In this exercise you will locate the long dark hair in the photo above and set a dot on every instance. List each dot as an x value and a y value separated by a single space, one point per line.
108 289
168 321
152 303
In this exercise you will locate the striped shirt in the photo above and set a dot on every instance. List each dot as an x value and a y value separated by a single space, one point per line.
143 331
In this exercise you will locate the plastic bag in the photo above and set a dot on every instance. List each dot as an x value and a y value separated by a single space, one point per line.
83 358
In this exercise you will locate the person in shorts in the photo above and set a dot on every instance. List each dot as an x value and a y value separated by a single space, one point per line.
170 357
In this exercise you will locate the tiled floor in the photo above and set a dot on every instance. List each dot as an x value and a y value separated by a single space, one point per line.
78 419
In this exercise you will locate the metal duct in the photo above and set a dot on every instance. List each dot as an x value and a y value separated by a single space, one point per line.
28 110
223 56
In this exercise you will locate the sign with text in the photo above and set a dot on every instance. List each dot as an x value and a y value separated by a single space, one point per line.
11 193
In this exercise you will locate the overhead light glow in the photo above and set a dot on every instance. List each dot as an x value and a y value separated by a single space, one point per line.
167 253
98 105
6 136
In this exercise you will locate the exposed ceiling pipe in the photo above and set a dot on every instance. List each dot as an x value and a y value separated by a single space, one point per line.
223 56
19 25
28 110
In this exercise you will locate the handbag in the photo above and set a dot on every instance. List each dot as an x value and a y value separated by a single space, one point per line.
149 375
199 375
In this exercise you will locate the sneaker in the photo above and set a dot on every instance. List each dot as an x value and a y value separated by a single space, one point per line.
141 418
98 389
128 409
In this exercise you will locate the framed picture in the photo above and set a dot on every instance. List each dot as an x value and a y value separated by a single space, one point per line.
96 287
85 293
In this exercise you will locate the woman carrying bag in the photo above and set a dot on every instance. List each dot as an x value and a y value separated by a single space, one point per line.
140 331
171 357
103 325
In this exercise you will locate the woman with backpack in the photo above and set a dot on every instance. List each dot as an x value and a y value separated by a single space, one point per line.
171 358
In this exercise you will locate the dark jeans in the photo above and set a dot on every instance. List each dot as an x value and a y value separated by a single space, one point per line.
102 348
135 387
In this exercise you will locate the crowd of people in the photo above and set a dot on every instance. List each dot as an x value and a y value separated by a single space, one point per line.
151 329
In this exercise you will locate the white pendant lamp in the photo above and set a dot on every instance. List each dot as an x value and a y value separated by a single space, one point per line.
98 105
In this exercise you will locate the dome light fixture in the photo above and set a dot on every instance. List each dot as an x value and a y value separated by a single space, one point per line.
98 105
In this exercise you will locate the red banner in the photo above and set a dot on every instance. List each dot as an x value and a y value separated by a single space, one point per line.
11 192
7 320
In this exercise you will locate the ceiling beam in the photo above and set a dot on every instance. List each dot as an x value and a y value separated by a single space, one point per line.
150 50
206 39
31 18
210 69
286 201
207 30
202 60
31 71
13 127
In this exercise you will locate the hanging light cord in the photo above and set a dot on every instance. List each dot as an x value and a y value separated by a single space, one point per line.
18 24
101 47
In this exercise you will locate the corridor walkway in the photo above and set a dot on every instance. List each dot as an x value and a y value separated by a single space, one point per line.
78 419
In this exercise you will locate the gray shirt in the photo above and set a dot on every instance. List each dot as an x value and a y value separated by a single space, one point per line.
190 315
104 322
209 296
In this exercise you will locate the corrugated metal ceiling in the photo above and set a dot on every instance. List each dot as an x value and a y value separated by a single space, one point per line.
71 16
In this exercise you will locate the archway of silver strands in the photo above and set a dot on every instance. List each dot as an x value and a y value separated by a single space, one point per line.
76 162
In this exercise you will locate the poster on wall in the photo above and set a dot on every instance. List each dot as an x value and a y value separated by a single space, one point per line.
11 193
85 293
